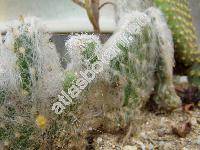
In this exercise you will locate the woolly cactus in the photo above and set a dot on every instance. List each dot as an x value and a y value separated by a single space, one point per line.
180 22
9 75
137 52
37 60
164 70
82 49
127 6
23 47
137 60
30 76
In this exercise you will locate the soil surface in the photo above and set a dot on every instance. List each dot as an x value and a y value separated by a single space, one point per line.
156 133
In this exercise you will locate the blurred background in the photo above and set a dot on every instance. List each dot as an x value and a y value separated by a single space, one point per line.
58 15
62 17
65 16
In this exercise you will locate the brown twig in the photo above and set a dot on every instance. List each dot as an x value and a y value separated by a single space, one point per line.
106 3
92 9
79 3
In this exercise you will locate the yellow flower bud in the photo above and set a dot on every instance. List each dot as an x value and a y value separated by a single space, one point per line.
41 121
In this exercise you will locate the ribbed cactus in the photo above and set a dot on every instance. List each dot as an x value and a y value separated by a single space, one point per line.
137 61
179 19
142 55
23 47
37 60
81 49
137 53
30 76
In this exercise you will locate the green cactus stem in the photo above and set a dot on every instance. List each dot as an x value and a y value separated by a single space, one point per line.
70 78
179 19
24 60
89 52
18 137
141 58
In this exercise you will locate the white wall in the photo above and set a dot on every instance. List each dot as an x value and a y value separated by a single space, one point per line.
58 15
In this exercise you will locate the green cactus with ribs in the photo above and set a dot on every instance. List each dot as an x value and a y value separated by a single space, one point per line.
146 68
23 47
178 15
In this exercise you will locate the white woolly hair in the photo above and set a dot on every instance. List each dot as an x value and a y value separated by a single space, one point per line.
130 24
75 45
130 34
124 7
44 55
164 38
9 76
46 61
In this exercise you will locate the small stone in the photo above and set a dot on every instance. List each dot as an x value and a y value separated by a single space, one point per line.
6 143
113 146
198 140
128 147
198 104
143 135
161 143
162 121
2 125
99 140
183 79
198 121
193 121
161 133
167 146
151 147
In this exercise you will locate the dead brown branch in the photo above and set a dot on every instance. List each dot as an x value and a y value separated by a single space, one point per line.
79 3
106 3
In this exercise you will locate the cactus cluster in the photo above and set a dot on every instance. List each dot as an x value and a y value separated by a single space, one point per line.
137 61
179 19
135 55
